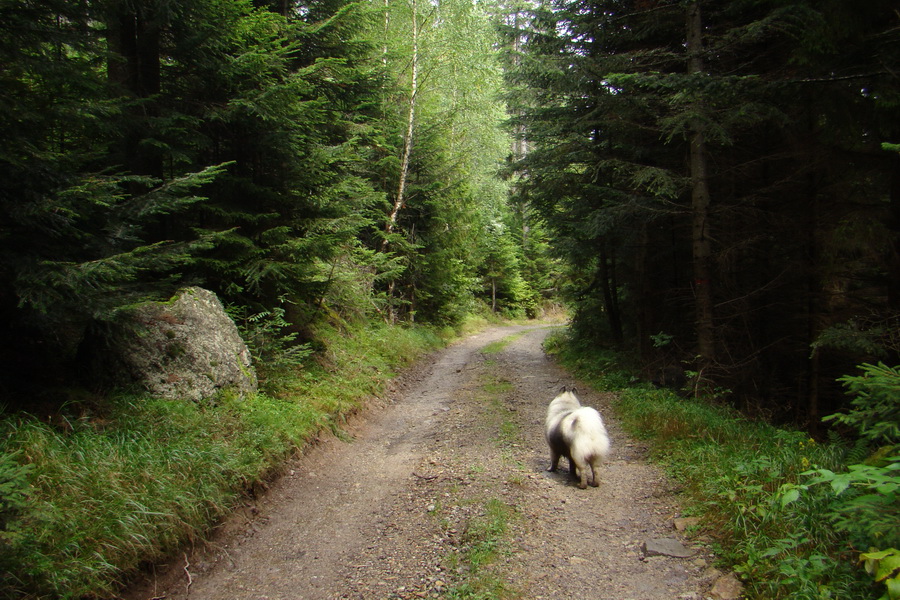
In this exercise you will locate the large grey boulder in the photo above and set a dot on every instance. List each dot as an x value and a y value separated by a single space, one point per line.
186 348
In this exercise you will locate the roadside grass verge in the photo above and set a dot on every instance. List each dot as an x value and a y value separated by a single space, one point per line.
83 506
734 473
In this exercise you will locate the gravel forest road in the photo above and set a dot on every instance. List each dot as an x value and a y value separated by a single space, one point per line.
393 508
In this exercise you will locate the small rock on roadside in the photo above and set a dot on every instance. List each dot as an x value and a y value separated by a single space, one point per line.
666 547
684 522
727 587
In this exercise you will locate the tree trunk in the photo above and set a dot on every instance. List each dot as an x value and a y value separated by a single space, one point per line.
134 64
813 310
647 296
816 278
894 265
700 200
400 198
610 297
519 144
493 294
387 28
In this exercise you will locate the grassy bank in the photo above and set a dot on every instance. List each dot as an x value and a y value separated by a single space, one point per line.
84 501
761 492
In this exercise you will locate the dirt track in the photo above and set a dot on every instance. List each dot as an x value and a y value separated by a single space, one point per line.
388 511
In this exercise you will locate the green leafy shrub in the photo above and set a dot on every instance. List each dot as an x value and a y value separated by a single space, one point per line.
884 566
868 506
865 504
270 340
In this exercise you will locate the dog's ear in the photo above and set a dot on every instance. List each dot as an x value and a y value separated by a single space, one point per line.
574 389
563 390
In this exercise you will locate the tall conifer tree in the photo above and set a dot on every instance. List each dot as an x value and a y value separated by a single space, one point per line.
625 99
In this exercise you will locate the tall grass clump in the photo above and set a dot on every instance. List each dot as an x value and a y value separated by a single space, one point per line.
762 492
85 504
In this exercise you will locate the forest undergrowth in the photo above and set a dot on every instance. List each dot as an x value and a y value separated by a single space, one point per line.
89 496
794 517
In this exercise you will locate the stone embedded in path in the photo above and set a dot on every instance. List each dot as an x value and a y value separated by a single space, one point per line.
666 547
727 587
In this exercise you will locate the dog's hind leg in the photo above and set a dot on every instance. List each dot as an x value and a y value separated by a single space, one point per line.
554 460
595 473
580 471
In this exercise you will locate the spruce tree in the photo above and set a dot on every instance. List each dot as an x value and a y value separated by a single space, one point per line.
615 95
79 228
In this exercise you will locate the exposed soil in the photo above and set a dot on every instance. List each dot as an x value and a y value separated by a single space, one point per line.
386 511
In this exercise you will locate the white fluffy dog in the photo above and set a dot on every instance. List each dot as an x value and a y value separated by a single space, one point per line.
576 432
